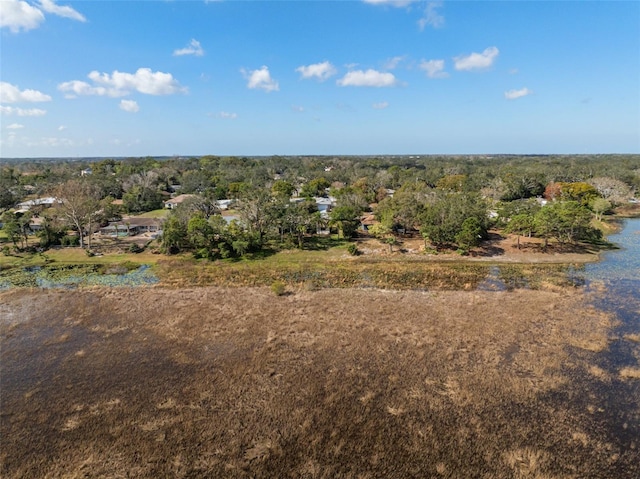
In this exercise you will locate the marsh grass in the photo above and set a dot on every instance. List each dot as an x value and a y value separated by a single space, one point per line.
219 382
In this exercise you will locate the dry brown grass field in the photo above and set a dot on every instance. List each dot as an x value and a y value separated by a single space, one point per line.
335 383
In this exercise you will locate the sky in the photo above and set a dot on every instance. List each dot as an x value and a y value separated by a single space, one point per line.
303 77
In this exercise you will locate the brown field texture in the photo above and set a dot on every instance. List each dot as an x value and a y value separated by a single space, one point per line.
333 383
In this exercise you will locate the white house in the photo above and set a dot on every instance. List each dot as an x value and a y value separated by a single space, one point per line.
46 202
173 202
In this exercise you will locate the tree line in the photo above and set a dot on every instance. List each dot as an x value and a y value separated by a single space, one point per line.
451 202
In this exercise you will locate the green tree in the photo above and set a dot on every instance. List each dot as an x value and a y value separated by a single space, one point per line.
24 222
470 234
383 233
258 211
452 182
442 220
199 232
282 188
174 234
51 229
521 224
11 227
315 187
566 221
345 220
600 206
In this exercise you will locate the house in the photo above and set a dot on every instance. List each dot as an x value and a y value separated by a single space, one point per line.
45 202
367 220
224 204
174 202
131 226
325 205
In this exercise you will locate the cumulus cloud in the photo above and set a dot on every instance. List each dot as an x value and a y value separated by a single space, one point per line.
371 78
67 12
129 105
320 71
9 110
194 48
62 128
122 84
434 68
12 94
260 79
17 15
476 61
431 16
380 105
15 126
227 116
515 94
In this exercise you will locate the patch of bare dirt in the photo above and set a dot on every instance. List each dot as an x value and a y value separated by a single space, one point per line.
214 382
498 248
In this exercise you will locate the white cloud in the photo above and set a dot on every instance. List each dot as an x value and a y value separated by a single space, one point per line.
129 105
476 61
194 48
67 12
515 94
297 108
434 68
62 128
9 110
513 71
76 88
261 80
392 63
53 142
121 84
12 94
321 71
15 126
18 15
431 16
392 3
227 116
372 78
381 105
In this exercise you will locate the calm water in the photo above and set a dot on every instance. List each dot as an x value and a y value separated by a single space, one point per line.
623 264
615 286
619 272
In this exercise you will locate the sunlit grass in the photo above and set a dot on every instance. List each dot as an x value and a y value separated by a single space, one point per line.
162 213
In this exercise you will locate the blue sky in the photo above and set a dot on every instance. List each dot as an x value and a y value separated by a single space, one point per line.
137 78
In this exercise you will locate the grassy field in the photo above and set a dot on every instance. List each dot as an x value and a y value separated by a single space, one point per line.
335 383
161 213
325 263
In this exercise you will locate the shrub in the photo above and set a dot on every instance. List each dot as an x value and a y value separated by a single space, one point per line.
70 240
135 248
278 288
353 249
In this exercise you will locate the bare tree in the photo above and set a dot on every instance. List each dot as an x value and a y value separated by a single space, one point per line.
79 203
611 189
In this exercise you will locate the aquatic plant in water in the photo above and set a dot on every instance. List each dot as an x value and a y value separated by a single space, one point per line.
77 275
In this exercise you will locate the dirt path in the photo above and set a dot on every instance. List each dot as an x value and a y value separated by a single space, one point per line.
213 382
